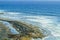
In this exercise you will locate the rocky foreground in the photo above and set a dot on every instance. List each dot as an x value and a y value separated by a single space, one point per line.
18 30
26 31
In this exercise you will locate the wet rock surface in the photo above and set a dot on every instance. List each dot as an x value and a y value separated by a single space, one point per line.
17 30
3 31
23 29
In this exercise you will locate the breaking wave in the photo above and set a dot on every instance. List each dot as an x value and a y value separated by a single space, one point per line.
52 23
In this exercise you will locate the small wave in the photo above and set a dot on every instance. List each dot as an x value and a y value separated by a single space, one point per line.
50 22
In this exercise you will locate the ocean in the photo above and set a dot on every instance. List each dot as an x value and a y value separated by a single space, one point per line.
44 14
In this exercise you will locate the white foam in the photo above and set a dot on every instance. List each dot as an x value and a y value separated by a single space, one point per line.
9 13
9 26
49 22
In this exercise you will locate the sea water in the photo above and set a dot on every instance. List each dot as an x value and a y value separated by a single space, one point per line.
44 14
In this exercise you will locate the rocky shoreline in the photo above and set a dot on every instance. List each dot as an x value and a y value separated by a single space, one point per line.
19 30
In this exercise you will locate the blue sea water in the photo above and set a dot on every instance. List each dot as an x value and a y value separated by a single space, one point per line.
45 14
34 8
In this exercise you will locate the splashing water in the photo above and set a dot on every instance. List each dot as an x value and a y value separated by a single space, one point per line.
52 23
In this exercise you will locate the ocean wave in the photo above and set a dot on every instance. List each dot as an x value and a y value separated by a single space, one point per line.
51 23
